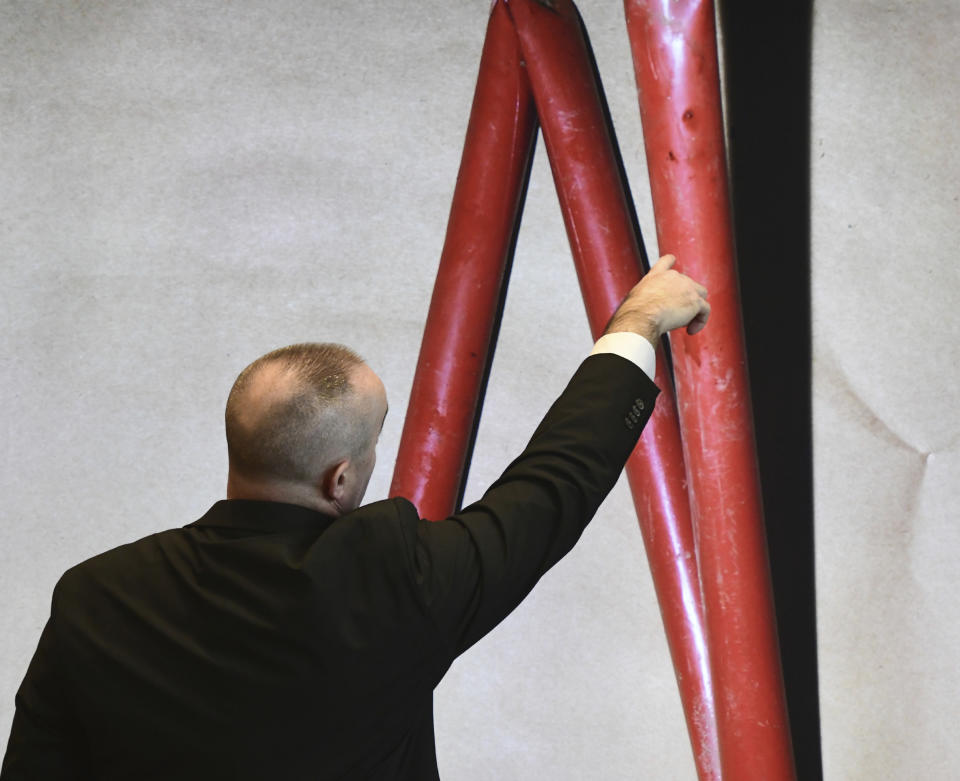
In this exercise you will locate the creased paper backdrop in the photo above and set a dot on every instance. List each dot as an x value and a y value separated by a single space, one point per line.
188 185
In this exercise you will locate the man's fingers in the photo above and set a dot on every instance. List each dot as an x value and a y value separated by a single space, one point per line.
700 321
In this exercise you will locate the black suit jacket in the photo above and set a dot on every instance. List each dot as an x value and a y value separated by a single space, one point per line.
267 641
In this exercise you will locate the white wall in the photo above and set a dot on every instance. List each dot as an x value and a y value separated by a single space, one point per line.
189 184
886 229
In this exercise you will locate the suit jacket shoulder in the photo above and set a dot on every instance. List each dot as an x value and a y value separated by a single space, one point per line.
474 568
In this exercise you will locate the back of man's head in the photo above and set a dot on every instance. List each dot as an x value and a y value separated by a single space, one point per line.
294 411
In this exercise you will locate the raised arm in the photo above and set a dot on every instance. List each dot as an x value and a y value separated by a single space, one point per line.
477 566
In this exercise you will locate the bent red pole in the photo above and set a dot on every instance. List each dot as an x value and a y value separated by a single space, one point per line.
675 59
471 280
607 254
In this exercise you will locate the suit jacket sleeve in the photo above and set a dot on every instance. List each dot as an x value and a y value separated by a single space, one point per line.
475 567
43 739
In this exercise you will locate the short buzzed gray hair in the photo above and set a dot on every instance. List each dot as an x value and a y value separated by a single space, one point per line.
289 437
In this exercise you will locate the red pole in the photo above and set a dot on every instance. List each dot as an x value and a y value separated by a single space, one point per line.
473 271
606 252
675 59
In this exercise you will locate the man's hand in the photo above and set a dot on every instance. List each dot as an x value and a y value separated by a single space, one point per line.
663 300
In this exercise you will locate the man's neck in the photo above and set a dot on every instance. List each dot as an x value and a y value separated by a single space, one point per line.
242 487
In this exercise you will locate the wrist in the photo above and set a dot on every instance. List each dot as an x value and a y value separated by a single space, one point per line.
644 326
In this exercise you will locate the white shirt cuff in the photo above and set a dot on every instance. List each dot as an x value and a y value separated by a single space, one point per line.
631 346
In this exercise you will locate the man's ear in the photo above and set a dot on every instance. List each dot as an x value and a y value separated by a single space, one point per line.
333 486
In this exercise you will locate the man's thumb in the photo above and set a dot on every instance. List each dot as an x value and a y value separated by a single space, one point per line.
664 264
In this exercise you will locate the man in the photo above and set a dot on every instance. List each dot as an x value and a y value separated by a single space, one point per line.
292 634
